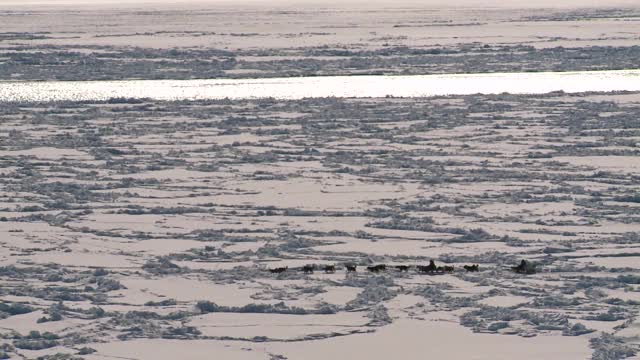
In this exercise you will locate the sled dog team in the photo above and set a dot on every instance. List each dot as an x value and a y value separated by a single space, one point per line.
525 267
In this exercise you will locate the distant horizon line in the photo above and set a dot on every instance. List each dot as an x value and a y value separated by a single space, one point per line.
487 4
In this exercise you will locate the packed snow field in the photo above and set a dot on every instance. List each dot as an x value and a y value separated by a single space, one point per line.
258 228
236 39
139 229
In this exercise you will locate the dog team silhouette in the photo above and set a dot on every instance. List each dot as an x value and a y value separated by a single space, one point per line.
525 267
